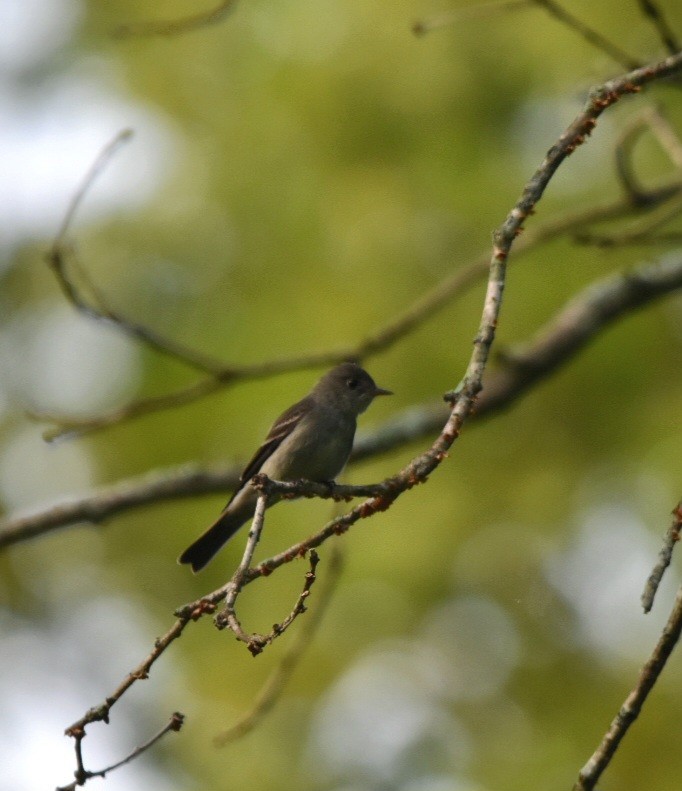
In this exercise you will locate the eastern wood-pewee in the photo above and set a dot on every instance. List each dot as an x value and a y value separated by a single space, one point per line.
312 440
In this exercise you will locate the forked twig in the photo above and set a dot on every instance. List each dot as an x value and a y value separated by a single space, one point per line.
273 687
83 775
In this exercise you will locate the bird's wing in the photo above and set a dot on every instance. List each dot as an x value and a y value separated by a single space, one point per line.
281 429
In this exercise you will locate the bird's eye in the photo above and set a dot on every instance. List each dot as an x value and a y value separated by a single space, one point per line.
352 383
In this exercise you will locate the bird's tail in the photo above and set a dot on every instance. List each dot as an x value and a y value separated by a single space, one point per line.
205 547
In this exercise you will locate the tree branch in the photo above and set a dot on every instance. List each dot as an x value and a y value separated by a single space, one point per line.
228 616
654 13
83 775
274 686
664 557
629 711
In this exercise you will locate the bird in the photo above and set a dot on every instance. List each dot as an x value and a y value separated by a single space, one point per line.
311 440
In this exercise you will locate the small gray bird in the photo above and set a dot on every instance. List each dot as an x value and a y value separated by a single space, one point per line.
311 440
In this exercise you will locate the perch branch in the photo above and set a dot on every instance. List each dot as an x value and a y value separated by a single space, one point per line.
228 616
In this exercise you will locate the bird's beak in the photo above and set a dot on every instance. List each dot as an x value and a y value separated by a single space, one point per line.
380 391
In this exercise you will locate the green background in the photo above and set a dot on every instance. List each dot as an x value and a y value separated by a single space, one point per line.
328 167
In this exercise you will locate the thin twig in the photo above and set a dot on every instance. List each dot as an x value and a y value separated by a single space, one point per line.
273 687
228 616
650 119
96 168
175 27
629 711
665 133
257 642
664 557
83 775
100 311
590 35
100 713
421 310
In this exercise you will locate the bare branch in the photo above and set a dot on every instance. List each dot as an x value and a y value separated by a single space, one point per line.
589 34
228 616
256 643
426 25
629 711
100 713
422 310
181 482
100 311
274 686
664 557
83 775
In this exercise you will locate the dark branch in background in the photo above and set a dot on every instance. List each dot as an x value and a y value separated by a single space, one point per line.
635 202
100 311
653 120
578 323
185 481
462 400
581 321
643 233
274 686
664 558
83 775
175 27
593 37
654 13
589 34
629 711
664 202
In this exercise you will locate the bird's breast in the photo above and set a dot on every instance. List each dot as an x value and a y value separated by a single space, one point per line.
317 450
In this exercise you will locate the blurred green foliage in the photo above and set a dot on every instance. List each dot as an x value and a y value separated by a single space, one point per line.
331 167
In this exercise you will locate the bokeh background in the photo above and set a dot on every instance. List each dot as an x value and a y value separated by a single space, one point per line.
299 174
